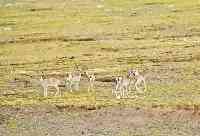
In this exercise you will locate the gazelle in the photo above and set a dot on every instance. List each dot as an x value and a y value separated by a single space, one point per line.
122 86
91 78
51 82
74 79
139 79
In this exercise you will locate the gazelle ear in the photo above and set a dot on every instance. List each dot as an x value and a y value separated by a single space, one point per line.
80 69
136 72
42 74
86 73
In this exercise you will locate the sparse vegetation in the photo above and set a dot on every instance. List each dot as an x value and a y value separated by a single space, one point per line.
160 38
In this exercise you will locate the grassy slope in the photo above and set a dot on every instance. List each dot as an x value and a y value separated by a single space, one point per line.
160 38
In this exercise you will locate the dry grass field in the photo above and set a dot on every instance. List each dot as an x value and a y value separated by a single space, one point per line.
160 38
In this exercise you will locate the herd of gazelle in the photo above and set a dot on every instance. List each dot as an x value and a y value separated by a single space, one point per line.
122 83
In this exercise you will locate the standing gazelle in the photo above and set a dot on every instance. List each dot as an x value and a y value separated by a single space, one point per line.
51 82
139 79
122 86
91 78
73 80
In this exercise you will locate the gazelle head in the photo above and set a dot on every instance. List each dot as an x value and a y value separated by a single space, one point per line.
133 73
118 80
86 73
42 77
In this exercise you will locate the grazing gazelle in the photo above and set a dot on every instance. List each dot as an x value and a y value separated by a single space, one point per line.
91 78
139 79
50 82
122 86
73 80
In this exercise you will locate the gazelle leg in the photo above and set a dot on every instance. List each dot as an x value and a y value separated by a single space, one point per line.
121 91
114 91
130 86
136 86
58 91
77 86
92 86
124 88
45 92
89 87
70 86
126 91
145 86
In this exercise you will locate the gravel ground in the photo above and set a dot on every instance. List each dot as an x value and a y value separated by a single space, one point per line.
111 121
